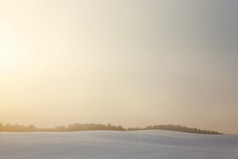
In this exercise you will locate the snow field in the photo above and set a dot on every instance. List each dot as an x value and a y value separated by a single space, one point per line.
147 144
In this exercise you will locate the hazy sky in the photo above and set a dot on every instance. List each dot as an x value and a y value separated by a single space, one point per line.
127 62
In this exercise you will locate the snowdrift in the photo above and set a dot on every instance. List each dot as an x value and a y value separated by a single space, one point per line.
147 144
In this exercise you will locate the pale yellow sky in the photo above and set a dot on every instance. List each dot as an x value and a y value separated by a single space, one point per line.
132 63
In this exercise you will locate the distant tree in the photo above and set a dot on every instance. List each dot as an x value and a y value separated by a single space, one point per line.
31 128
1 127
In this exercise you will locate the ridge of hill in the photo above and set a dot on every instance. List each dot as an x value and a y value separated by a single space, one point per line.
91 126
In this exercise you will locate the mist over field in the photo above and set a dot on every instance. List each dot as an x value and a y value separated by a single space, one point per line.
146 68
131 63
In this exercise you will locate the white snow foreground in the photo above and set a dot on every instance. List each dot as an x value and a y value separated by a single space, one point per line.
148 144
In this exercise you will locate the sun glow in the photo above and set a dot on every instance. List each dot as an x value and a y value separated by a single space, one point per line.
131 63
6 55
15 48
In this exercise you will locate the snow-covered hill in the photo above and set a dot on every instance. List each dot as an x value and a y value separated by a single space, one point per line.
148 144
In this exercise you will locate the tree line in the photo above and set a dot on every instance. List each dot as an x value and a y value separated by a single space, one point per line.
91 126
180 128
70 127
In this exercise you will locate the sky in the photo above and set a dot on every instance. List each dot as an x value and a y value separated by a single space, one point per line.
130 63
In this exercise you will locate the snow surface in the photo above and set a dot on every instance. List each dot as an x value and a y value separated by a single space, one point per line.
148 144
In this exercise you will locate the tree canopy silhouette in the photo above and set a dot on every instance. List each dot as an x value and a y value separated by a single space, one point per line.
91 126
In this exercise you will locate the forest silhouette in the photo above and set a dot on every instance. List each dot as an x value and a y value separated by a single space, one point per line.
91 126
